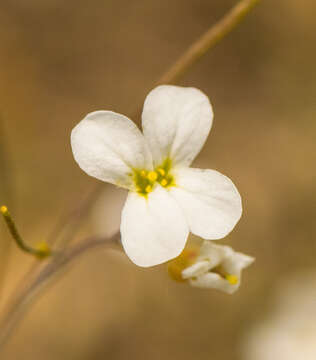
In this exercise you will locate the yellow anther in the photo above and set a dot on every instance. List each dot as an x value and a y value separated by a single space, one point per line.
232 279
4 209
161 171
148 188
143 173
152 176
163 182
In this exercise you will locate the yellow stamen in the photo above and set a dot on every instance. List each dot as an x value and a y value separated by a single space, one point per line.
232 279
152 176
161 171
163 182
148 188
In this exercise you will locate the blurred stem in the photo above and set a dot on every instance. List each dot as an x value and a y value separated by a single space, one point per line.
208 40
41 275
19 305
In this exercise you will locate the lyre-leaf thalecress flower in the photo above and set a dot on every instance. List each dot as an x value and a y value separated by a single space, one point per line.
166 198
210 266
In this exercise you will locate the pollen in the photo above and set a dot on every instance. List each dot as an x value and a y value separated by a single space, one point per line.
232 279
152 176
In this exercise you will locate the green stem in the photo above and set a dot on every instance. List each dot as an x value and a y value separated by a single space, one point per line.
42 251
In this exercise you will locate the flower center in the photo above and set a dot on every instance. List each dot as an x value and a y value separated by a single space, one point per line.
146 180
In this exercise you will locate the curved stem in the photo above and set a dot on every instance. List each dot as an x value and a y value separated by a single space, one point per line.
40 252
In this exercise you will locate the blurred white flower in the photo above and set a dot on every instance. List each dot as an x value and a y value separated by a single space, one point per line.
211 266
290 330
166 199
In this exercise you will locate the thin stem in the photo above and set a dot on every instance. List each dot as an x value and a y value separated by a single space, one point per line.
41 252
207 41
25 298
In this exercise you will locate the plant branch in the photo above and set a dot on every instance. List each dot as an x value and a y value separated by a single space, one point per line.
42 249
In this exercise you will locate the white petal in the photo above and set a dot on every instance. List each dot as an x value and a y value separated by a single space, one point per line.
176 123
214 253
154 230
214 281
108 145
234 263
199 268
210 201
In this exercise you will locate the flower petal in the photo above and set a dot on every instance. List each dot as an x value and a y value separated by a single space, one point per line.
214 281
153 229
199 268
176 123
214 253
210 201
234 263
108 145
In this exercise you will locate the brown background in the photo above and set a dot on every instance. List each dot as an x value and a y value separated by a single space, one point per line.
62 59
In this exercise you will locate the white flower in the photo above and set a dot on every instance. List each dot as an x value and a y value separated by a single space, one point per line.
218 267
166 199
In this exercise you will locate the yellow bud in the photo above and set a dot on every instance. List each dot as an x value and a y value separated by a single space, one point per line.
4 209
143 173
232 279
148 189
184 260
43 249
152 176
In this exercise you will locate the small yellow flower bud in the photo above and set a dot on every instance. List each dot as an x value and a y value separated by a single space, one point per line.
184 260
43 250
3 209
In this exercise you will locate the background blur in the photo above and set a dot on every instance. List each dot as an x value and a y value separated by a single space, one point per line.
60 60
